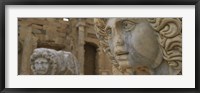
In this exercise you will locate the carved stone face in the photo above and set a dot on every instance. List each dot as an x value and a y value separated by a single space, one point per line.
133 41
41 66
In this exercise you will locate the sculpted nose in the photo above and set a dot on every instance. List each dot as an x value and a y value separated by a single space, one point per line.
39 66
120 48
119 42
118 36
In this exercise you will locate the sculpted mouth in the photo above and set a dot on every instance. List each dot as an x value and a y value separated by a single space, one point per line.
41 70
121 51
122 56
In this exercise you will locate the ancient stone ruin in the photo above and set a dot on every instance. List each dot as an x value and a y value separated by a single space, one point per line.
76 35
100 46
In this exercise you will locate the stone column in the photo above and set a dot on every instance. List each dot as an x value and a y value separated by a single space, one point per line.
81 42
30 43
98 60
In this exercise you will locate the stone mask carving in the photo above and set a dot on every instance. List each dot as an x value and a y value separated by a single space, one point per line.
51 62
149 46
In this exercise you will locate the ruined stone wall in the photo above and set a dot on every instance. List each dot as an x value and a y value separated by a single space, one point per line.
54 33
83 32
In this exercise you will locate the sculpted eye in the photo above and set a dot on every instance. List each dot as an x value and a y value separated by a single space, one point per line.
36 62
128 25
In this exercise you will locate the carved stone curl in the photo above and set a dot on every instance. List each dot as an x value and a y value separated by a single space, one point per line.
51 62
142 45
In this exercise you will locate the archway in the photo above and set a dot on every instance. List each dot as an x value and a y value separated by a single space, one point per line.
90 59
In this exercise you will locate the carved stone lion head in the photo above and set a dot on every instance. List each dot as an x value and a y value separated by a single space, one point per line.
51 62
44 62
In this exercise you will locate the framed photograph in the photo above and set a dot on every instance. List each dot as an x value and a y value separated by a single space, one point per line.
107 46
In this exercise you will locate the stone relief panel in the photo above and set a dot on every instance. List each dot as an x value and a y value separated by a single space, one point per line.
142 46
45 61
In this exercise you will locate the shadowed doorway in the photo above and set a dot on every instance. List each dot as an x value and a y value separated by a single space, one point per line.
90 59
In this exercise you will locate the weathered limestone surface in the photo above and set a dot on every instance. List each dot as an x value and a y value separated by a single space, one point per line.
142 46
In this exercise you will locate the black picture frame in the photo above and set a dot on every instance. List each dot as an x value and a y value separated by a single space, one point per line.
3 3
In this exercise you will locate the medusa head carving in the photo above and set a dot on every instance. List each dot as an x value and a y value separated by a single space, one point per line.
150 46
